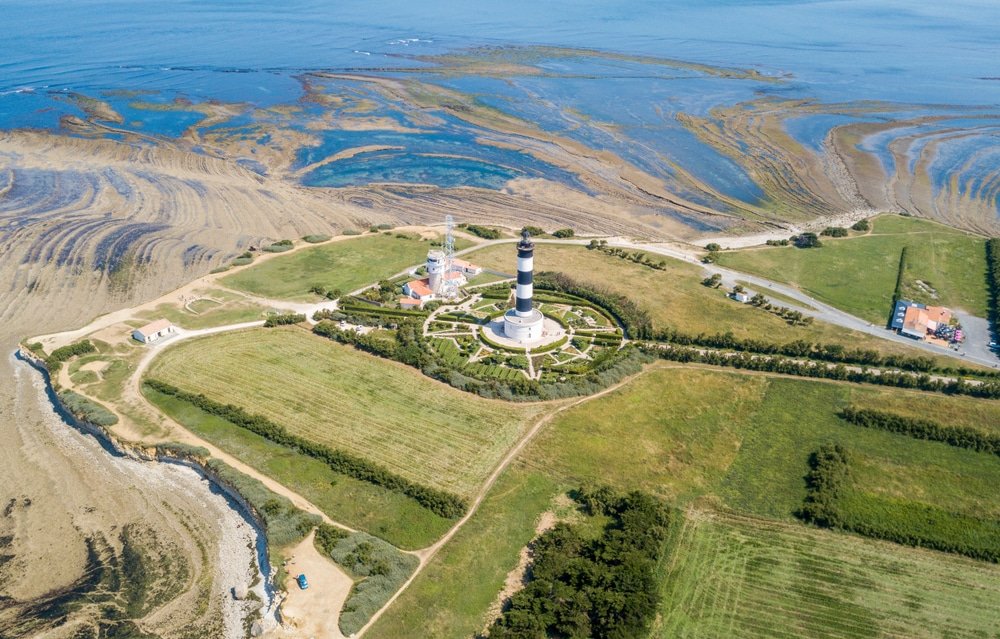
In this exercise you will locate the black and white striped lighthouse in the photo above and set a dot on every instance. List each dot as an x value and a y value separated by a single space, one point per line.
523 323
525 266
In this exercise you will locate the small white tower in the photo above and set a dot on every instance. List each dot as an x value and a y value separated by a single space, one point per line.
436 264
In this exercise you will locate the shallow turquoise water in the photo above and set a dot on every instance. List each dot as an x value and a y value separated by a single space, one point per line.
908 52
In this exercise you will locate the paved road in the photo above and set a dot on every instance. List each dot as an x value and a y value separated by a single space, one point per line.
976 348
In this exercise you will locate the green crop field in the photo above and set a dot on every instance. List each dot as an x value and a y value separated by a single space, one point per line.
346 265
358 504
858 274
709 440
739 577
337 396
675 297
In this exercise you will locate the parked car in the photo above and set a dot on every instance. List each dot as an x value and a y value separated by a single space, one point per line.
303 582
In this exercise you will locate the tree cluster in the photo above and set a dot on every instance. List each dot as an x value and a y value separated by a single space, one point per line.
583 587
958 436
897 292
806 240
835 231
638 257
283 319
437 501
828 473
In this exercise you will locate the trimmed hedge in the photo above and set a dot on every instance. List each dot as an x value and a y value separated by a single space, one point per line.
437 501
958 436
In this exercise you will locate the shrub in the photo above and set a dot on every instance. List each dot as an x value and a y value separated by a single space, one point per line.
284 524
327 537
713 247
861 225
534 230
284 319
806 240
221 269
714 281
63 353
777 243
563 233
483 231
317 238
834 231
87 410
897 293
382 570
242 261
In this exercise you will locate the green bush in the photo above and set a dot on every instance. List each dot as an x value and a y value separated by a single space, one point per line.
317 238
563 233
283 319
382 570
221 269
63 353
86 409
483 231
835 231
327 537
861 225
242 261
806 240
279 247
284 524
586 587
175 449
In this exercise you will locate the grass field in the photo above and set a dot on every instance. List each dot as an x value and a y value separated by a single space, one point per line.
386 514
675 297
231 308
719 441
741 577
337 396
346 265
858 274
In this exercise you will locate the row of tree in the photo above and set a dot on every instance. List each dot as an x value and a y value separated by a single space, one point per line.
605 588
787 366
835 353
993 278
958 436
440 502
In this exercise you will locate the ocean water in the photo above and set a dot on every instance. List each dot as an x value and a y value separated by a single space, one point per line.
911 53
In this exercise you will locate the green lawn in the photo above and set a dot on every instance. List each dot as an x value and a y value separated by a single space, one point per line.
716 441
233 309
858 274
397 519
337 396
740 577
675 297
346 265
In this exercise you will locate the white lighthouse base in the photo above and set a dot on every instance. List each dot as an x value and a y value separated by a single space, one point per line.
518 332
524 330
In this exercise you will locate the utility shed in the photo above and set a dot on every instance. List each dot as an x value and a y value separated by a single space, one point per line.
154 331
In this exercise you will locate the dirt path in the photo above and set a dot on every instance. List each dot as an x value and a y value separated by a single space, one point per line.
428 553
314 612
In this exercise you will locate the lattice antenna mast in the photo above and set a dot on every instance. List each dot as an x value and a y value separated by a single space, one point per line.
449 253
